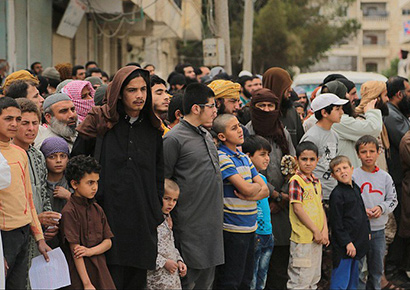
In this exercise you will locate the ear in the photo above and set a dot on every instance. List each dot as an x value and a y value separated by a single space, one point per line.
218 102
178 114
249 155
221 137
74 184
324 113
48 117
195 109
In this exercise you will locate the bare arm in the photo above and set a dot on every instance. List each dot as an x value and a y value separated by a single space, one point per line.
247 189
82 271
81 251
261 194
305 219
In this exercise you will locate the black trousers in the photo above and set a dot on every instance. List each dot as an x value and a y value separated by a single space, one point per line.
15 248
125 277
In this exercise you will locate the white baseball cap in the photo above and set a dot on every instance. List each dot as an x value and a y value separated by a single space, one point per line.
324 100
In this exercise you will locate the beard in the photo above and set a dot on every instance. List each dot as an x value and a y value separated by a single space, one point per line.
382 107
285 105
62 129
404 106
246 93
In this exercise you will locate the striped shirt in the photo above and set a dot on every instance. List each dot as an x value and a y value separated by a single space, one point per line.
239 215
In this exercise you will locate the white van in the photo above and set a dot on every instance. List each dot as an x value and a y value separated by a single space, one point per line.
310 81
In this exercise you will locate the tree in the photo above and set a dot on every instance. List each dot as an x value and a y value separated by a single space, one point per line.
298 32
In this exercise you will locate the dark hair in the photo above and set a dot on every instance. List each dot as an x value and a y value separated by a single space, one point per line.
395 84
254 143
243 79
90 63
104 74
18 89
33 64
93 70
328 109
197 70
156 80
306 146
27 106
7 102
133 64
179 68
176 79
147 65
79 166
42 86
196 93
53 82
76 68
174 105
366 139
339 160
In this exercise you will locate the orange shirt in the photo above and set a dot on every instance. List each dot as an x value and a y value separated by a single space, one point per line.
16 201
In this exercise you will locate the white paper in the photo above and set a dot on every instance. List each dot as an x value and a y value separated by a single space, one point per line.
51 275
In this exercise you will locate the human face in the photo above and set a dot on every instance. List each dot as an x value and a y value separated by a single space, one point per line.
352 96
189 72
28 128
64 111
10 120
266 106
233 135
232 106
302 98
368 154
249 86
151 70
260 159
343 173
96 74
134 96
80 74
57 162
88 185
160 98
38 68
34 96
105 80
335 115
307 161
169 200
256 84
86 94
406 90
207 113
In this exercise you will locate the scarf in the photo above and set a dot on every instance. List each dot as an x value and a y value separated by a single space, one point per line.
73 90
267 124
278 81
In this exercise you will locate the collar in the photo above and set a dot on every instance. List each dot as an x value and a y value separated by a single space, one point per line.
200 130
229 152
307 179
346 185
82 200
5 144
376 169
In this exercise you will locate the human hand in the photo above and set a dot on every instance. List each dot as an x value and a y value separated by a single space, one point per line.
350 250
171 266
43 248
274 207
370 105
49 218
285 196
81 251
376 211
244 197
182 269
317 237
89 286
6 267
50 233
61 192
369 213
325 237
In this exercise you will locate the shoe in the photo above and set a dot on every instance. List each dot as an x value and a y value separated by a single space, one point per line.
399 278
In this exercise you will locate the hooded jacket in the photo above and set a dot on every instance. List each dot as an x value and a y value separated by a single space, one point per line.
132 177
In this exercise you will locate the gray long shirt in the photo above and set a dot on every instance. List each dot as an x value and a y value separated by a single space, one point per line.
191 160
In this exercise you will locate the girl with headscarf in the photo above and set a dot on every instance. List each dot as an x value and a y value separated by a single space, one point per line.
82 95
279 82
266 123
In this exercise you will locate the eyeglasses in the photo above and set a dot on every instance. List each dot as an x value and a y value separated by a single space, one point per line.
211 106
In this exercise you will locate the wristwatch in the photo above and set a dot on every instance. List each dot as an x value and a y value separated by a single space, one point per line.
279 197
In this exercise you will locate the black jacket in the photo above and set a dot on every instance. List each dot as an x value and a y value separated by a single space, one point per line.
348 222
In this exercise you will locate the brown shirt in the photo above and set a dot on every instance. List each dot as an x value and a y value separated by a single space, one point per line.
83 222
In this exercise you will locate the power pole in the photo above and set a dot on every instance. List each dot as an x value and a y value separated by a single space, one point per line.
247 36
222 25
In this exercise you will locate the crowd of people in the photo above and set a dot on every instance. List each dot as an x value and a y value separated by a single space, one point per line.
204 180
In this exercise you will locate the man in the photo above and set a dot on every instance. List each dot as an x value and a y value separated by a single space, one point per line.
125 136
256 83
191 160
205 71
61 117
78 72
36 68
175 110
53 78
160 99
226 96
397 124
246 88
18 75
151 68
187 70
177 82
90 64
25 89
94 72
302 99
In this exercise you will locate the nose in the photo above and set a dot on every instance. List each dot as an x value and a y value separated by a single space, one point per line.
40 97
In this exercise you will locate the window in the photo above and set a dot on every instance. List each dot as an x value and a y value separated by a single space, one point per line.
371 67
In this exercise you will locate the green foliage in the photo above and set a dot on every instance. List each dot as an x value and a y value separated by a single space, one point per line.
393 69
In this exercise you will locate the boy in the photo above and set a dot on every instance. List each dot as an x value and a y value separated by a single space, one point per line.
349 225
18 216
242 187
85 233
169 265
308 220
258 149
380 199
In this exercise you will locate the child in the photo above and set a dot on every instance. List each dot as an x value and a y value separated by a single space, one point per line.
258 149
308 220
379 197
242 187
169 261
349 225
85 233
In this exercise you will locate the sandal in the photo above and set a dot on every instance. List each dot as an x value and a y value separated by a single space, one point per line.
391 286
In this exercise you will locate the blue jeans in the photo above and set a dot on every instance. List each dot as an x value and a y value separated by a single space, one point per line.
263 251
375 261
346 275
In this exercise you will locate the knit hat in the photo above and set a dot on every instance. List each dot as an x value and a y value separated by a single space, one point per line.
62 85
53 145
337 88
225 89
51 73
94 81
55 98
216 71
19 75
